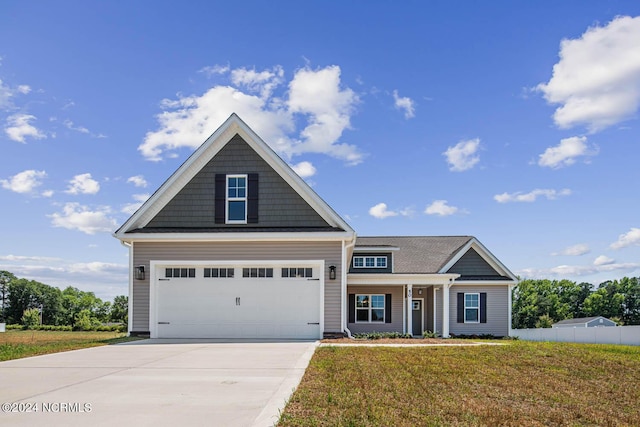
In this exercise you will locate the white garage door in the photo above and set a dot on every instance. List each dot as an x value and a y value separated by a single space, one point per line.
246 301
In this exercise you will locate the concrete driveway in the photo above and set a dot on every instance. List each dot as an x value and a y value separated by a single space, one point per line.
154 383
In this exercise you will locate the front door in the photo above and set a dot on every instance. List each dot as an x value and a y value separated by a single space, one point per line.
417 317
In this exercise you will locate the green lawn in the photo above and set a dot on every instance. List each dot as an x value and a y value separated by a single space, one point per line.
15 344
518 384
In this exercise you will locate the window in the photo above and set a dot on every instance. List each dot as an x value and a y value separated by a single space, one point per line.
236 199
180 272
471 308
259 272
370 262
293 272
370 308
224 273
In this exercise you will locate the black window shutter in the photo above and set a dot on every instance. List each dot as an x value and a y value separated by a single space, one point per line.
483 307
352 308
387 308
460 307
252 199
220 198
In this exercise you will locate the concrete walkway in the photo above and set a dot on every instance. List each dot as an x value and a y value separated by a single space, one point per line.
154 383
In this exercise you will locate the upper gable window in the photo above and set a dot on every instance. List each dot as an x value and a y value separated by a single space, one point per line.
236 198
370 262
236 206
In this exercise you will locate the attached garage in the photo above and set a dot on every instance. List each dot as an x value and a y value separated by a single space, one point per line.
252 300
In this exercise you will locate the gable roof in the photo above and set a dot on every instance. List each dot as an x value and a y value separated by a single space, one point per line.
581 320
432 254
200 157
416 254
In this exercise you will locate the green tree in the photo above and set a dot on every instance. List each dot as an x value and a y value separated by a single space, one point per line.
31 318
5 279
74 301
533 299
120 309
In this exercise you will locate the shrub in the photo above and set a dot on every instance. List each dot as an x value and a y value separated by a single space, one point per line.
544 321
429 334
31 318
474 336
381 335
84 321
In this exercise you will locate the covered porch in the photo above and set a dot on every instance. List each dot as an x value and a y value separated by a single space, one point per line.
398 303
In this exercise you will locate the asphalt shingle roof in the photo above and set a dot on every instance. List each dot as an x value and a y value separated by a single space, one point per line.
417 254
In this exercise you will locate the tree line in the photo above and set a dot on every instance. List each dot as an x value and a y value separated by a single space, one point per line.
540 303
68 307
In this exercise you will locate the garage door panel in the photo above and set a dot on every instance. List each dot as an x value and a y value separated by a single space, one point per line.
238 307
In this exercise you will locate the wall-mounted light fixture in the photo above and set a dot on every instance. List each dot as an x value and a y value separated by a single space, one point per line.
139 272
420 291
332 272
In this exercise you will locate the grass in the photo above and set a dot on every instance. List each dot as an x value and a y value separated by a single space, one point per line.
16 344
520 383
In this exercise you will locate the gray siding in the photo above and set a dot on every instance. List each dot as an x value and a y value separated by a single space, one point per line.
428 305
472 264
397 299
388 269
278 206
330 252
497 310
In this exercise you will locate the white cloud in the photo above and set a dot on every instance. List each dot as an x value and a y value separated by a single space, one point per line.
597 80
138 181
462 156
210 70
69 125
83 184
7 93
317 95
404 104
304 169
24 182
380 211
575 250
78 217
47 193
567 271
565 153
531 196
632 237
603 260
315 99
441 208
106 280
18 128
131 208
263 82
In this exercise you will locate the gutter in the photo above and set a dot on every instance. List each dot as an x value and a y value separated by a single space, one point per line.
344 283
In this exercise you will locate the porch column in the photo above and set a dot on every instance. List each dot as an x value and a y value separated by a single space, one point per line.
409 309
445 310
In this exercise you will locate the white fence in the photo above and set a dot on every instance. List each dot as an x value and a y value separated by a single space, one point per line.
628 335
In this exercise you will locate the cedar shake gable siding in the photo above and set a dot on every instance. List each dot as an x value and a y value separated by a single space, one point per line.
194 206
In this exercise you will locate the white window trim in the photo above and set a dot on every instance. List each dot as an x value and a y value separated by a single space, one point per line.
370 308
375 261
236 199
471 308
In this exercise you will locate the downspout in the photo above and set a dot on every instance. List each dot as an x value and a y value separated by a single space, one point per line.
345 297
130 297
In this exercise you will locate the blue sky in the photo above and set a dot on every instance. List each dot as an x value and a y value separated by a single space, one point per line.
515 122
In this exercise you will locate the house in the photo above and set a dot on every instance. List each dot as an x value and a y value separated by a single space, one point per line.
236 245
585 322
